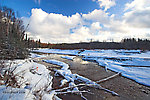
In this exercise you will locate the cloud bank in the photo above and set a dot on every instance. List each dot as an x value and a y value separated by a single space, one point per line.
96 25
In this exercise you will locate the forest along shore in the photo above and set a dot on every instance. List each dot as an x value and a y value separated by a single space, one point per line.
126 88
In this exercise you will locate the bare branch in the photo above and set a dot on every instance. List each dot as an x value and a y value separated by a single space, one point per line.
72 92
110 77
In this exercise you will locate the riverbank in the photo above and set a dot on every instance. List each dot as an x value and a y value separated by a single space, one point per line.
126 88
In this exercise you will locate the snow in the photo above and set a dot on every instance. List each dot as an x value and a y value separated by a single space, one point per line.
68 57
34 74
63 82
9 93
139 74
58 51
31 77
48 96
59 63
65 72
33 55
133 64
69 77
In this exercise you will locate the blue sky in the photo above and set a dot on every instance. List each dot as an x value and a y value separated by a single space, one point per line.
65 7
59 21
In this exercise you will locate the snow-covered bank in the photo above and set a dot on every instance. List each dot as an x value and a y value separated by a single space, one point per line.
9 93
34 74
31 77
56 62
133 64
139 74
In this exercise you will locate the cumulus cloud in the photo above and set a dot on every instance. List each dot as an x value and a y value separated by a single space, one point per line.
96 25
106 4
138 14
134 23
97 15
138 18
56 27
52 26
137 5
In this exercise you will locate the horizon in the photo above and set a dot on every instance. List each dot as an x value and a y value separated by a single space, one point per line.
73 21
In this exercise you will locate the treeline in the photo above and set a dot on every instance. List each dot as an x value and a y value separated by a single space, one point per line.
12 32
130 43
143 44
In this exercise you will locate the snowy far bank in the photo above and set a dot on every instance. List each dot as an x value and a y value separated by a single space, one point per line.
58 51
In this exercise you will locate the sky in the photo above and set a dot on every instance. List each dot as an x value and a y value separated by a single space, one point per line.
73 21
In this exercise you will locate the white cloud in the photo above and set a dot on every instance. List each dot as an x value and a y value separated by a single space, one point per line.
138 14
138 18
96 25
95 28
106 4
81 34
56 28
137 5
97 15
53 27
135 22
